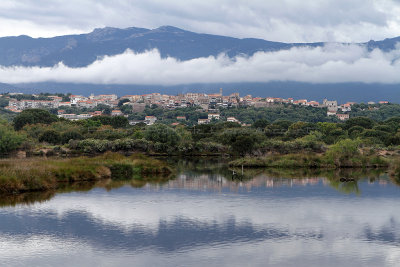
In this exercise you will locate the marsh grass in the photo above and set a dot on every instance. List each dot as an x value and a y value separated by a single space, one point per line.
39 174
310 161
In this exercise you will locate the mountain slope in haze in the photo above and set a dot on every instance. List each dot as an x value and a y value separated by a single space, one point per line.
5 87
82 50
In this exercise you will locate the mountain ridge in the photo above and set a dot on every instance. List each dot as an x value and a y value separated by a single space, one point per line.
80 50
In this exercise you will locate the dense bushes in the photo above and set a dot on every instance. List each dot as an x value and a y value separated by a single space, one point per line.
33 116
163 134
100 146
308 144
106 133
50 136
9 139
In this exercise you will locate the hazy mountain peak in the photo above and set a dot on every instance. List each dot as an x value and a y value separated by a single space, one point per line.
167 28
82 50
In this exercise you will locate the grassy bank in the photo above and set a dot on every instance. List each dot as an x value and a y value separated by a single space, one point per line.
310 161
38 174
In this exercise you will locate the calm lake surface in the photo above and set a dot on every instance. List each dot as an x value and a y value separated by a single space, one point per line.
204 217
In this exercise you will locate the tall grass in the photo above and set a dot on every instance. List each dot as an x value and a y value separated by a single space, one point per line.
38 174
310 161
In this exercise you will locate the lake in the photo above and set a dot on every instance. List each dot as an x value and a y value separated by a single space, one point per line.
206 216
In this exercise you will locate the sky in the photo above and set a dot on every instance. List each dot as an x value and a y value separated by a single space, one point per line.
283 20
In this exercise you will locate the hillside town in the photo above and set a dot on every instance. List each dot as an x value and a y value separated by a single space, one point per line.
209 103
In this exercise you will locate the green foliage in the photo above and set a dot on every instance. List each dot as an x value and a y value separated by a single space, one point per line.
393 140
243 144
331 132
344 152
33 116
300 129
115 121
306 144
376 113
376 136
160 133
70 135
260 124
364 122
9 139
355 131
279 112
3 102
230 136
101 146
50 136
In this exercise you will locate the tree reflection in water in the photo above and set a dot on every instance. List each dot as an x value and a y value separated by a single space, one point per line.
215 175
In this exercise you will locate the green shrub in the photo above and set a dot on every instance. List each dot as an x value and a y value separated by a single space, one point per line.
50 136
160 133
9 139
70 135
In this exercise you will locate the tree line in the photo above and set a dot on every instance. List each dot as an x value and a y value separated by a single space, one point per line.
36 128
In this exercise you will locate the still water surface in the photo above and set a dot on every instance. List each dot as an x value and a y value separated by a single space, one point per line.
204 218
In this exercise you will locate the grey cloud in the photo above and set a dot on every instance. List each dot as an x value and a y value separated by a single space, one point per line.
329 64
285 20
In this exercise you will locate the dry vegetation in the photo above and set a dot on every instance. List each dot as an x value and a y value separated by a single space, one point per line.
39 174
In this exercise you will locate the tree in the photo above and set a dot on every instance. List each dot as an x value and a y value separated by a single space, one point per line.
355 131
66 98
116 121
70 135
394 140
243 144
343 152
376 136
261 124
331 132
122 101
160 133
364 122
300 129
9 139
33 116
50 136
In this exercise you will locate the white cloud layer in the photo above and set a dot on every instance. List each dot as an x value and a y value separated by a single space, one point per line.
284 20
329 64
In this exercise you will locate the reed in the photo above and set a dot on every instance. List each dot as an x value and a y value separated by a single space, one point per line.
310 161
38 174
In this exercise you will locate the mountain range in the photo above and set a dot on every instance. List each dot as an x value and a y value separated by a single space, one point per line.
83 49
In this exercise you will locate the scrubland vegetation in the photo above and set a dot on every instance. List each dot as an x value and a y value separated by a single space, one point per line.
360 142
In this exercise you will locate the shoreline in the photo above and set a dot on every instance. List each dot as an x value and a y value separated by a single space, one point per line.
38 174
51 174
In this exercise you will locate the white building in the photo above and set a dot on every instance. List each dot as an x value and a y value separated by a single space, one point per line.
203 121
150 120
232 119
213 116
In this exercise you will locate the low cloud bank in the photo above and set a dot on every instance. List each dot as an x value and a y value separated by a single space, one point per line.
329 64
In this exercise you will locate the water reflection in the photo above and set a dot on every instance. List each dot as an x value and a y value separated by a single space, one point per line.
217 176
203 217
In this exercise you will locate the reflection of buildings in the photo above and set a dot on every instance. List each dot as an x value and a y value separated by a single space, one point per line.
216 182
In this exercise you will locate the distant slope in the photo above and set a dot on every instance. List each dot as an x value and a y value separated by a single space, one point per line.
82 50
7 88
343 92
